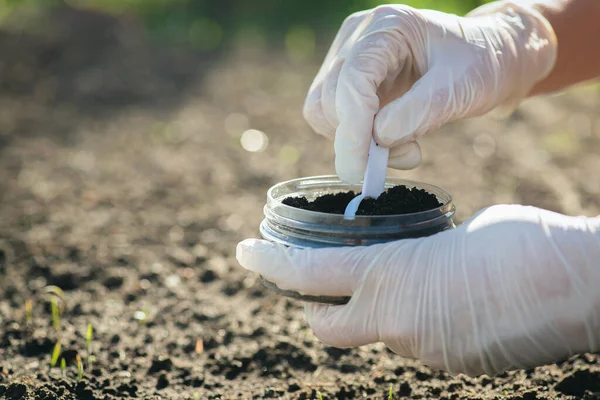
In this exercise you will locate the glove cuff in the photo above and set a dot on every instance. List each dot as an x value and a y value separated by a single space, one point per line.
532 41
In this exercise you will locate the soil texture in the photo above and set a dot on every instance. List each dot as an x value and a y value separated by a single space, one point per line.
124 182
393 201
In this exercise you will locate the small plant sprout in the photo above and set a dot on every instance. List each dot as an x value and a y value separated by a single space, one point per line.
54 292
391 393
55 355
88 338
28 312
199 346
319 395
63 367
55 315
51 289
79 367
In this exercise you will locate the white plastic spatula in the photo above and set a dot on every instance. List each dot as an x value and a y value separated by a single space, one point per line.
374 181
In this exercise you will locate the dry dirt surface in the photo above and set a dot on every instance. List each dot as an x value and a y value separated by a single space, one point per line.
123 182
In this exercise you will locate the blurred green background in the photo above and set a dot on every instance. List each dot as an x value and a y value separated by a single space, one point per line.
212 24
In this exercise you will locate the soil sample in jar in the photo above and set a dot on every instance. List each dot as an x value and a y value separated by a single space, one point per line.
397 200
309 213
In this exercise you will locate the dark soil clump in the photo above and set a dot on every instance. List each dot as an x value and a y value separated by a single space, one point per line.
394 201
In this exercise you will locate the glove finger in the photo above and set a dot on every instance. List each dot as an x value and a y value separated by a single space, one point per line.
328 271
405 157
313 112
328 93
349 28
342 326
365 68
424 108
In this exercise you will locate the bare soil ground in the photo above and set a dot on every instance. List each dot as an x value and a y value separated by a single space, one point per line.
123 182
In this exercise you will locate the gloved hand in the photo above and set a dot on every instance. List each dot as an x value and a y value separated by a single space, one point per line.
513 287
399 73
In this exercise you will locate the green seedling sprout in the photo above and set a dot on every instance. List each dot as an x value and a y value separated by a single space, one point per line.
391 393
51 289
63 367
88 338
79 368
55 355
319 395
56 292
55 316
28 312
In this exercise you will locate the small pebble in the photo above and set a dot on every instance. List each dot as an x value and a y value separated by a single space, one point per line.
124 374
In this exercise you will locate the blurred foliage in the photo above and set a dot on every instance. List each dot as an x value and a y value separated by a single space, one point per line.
208 24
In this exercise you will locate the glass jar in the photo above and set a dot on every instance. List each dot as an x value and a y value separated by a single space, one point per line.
299 228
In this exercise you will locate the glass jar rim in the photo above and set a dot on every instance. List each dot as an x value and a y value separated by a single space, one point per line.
274 201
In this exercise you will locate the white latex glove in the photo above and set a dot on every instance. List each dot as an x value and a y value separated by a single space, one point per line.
513 287
399 73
